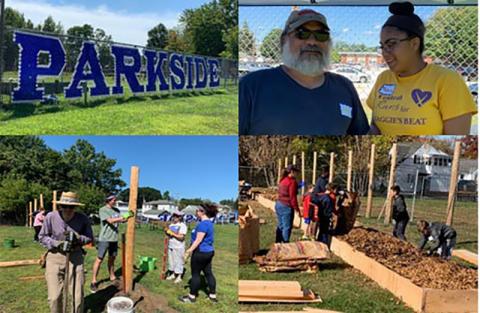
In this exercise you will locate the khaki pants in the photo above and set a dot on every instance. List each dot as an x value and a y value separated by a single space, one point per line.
55 271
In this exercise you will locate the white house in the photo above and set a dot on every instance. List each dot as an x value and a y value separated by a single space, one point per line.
190 209
160 205
429 167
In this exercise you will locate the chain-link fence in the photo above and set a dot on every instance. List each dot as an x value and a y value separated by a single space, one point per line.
450 40
193 78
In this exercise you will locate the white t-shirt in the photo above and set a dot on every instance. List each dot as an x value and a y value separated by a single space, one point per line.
177 228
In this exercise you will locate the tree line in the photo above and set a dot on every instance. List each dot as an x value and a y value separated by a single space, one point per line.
209 30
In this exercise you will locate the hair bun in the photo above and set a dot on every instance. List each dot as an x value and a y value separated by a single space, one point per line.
401 8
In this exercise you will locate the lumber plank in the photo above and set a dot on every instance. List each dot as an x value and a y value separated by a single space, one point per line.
258 299
271 289
32 277
306 310
277 283
451 301
466 255
20 263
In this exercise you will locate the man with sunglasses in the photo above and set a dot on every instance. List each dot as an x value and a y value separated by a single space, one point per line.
300 97
63 233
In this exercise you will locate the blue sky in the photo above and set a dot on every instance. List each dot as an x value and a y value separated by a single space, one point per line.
348 24
187 166
127 21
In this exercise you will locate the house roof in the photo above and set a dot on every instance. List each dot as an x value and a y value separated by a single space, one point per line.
405 150
157 202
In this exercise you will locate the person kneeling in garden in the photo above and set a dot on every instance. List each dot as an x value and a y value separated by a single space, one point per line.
443 237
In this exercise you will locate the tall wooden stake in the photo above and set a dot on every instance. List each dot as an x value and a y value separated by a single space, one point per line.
41 201
314 174
349 170
371 171
26 216
279 170
452 193
332 167
130 236
54 203
303 172
286 162
391 181
30 214
35 207
294 160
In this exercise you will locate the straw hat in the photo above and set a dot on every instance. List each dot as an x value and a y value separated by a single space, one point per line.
69 198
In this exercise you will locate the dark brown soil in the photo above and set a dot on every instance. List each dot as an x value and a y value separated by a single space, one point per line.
148 302
404 258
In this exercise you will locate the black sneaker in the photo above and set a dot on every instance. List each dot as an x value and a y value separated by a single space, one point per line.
186 299
93 287
213 299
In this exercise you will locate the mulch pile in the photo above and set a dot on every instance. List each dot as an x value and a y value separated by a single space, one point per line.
403 258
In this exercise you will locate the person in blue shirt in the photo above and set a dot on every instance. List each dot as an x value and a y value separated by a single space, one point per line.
202 252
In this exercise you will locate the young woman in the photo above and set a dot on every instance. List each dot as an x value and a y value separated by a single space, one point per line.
202 253
286 204
413 97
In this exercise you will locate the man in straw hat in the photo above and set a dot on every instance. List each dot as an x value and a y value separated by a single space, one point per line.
301 97
110 217
63 233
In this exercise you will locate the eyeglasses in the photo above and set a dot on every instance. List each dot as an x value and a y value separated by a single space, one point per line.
319 35
390 44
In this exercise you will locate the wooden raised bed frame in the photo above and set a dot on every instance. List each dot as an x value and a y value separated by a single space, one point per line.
424 300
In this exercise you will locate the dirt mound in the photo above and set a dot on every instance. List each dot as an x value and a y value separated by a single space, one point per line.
403 258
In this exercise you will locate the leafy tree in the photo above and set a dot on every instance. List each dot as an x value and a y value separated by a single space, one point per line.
157 37
14 19
73 43
145 194
89 167
92 196
452 36
246 41
176 41
270 47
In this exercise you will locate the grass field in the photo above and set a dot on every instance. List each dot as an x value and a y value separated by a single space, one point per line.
31 296
432 210
340 286
213 112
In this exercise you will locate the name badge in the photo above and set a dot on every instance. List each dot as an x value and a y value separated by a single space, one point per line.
387 89
345 110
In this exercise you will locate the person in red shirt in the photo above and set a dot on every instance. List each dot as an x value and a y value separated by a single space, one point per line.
309 213
286 204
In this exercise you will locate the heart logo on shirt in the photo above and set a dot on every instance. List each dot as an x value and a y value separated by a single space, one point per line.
421 97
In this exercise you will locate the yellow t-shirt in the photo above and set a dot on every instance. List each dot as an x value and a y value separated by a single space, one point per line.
418 104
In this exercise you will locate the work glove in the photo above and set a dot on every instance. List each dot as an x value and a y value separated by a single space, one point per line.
63 245
128 214
169 232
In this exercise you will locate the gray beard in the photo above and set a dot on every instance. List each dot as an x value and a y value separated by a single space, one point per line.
309 65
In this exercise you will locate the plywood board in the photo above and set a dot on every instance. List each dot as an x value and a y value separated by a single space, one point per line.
466 255
305 310
450 301
271 289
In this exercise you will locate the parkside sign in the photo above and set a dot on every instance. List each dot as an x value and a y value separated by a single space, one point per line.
184 71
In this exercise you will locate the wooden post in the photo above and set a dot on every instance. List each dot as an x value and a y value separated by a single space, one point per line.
371 171
279 170
314 174
130 236
332 164
303 172
26 216
294 161
123 264
452 193
41 201
30 214
35 207
349 170
412 215
54 202
286 161
391 181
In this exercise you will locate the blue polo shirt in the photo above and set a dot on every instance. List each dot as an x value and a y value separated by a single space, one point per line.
272 103
206 227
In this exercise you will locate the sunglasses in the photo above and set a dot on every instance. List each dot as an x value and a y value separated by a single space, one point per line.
319 35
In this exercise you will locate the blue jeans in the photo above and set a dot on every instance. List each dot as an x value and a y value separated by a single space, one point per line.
284 222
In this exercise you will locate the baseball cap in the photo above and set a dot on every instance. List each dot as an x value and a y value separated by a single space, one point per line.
298 18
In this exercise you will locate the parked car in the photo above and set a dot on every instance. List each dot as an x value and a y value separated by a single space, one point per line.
245 68
353 74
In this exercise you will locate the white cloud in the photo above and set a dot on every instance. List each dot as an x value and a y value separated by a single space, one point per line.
124 27
377 26
369 32
345 30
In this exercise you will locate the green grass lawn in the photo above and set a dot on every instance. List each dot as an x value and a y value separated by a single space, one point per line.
432 210
202 112
31 296
340 286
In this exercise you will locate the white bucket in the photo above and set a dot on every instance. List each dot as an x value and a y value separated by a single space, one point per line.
120 305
